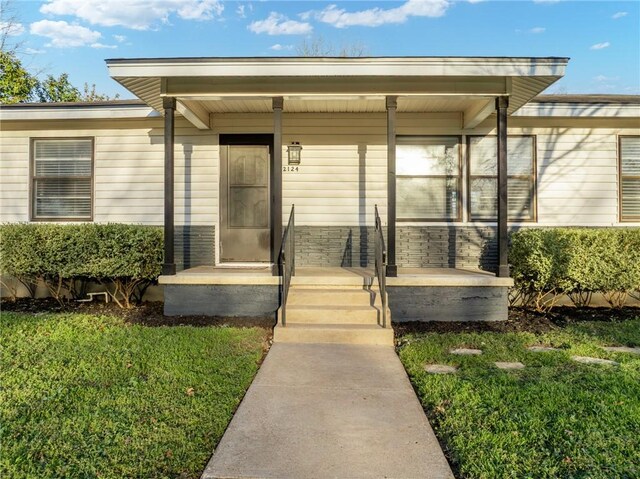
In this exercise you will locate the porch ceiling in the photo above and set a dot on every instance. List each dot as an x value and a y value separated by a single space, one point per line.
205 86
335 104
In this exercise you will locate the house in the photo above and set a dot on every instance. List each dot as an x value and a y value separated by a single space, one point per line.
453 151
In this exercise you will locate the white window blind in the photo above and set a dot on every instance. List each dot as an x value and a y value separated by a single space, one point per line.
62 179
630 178
483 181
428 178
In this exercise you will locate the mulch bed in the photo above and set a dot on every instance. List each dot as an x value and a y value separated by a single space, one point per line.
151 314
147 314
521 320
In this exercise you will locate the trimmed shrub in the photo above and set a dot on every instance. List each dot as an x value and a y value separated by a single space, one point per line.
548 263
125 258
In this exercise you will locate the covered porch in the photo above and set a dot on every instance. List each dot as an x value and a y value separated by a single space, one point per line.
281 105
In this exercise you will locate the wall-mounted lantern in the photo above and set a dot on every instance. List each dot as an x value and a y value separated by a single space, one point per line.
294 152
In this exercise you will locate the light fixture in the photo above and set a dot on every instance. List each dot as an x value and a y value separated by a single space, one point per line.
293 150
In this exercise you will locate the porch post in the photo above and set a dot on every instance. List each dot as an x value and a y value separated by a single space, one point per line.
392 104
276 192
502 103
169 105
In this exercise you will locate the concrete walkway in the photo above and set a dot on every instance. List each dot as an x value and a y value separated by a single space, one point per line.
329 411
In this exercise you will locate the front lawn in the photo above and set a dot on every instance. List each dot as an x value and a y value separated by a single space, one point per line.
92 396
555 418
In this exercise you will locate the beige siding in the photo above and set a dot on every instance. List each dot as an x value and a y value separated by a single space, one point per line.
128 170
14 178
578 176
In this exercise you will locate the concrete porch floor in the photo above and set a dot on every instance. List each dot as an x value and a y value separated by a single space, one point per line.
329 411
310 274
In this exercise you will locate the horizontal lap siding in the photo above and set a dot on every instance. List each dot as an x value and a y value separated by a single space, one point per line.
129 184
14 177
128 171
577 176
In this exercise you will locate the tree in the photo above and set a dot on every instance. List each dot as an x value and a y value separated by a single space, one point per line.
90 94
59 89
9 27
317 47
16 84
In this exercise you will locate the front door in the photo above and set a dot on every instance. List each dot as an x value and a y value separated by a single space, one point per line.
245 216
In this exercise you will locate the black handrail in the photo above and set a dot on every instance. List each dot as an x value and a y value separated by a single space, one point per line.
288 261
381 266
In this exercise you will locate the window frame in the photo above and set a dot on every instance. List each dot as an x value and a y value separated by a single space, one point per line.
33 178
458 218
621 218
533 177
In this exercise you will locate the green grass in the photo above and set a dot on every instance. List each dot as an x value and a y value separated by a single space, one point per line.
554 419
91 396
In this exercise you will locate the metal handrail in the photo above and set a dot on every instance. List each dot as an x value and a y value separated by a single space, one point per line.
288 261
381 266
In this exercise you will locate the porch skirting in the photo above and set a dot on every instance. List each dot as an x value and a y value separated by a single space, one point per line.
448 303
228 300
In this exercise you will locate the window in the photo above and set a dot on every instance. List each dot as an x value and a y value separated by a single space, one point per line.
428 178
483 180
629 152
62 179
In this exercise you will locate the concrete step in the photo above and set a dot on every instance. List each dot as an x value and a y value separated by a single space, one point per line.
354 281
333 333
331 296
318 314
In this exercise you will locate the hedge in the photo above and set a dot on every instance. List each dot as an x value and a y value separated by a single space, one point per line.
124 258
548 263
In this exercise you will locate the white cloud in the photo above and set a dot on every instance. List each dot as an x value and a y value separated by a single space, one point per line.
119 38
134 14
102 45
600 46
12 29
374 17
604 79
33 51
278 24
278 47
617 15
240 11
62 34
537 30
200 9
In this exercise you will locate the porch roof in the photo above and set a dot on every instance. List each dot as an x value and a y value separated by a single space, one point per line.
205 86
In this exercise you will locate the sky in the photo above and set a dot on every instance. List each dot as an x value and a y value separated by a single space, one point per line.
602 38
